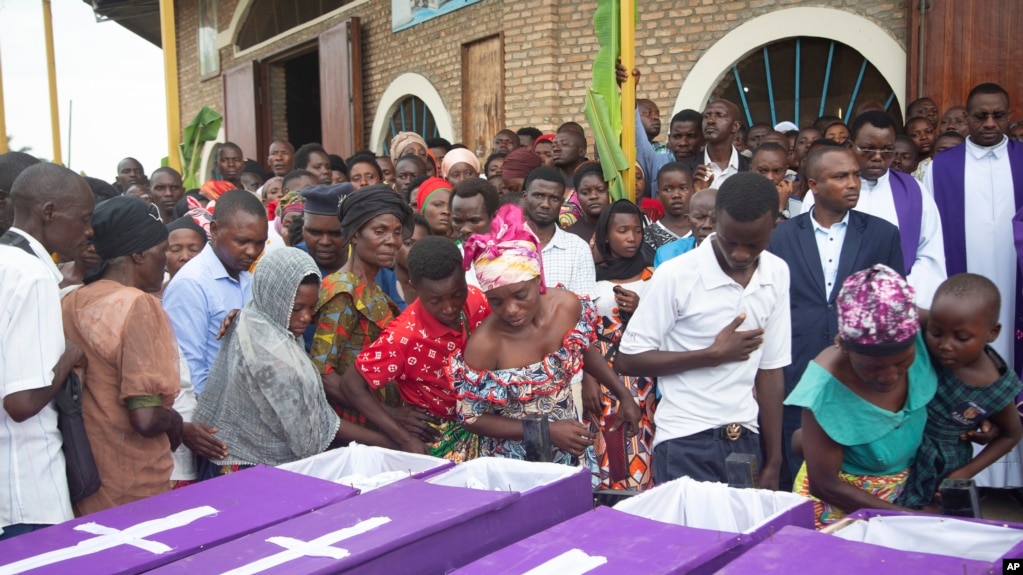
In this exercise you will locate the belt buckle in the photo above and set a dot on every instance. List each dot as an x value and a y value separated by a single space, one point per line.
733 431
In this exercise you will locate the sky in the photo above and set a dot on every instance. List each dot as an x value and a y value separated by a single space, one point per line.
113 78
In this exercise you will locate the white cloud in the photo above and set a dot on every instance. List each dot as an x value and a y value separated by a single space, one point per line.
114 78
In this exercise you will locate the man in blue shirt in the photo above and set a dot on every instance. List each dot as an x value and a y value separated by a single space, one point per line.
216 281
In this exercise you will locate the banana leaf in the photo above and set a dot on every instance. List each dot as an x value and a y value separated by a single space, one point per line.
612 158
203 128
607 28
603 100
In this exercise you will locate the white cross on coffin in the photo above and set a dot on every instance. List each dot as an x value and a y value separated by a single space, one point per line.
571 562
108 538
320 547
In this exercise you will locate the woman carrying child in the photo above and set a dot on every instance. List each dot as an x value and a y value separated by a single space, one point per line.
864 399
974 384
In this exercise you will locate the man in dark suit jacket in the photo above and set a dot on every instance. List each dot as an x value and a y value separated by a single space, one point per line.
823 247
719 159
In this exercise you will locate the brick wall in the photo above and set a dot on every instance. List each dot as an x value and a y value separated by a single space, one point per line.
548 49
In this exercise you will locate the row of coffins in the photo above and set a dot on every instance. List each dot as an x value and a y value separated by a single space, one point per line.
370 510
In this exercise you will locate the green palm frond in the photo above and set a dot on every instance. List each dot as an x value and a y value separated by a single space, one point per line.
603 107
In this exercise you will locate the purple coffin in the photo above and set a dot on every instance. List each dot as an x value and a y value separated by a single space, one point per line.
751 515
617 542
796 550
959 524
145 534
410 526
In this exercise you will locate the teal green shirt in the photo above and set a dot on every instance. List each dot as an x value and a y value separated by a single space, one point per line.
876 441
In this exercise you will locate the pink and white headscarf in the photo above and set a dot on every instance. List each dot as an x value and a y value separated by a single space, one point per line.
509 254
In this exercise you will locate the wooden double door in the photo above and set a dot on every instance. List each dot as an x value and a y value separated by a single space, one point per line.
257 106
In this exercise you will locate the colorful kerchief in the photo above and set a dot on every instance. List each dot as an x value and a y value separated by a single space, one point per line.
429 187
291 202
201 215
213 189
459 156
402 140
509 254
876 311
519 163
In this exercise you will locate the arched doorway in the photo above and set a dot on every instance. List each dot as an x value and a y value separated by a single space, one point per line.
801 79
411 114
410 104
862 35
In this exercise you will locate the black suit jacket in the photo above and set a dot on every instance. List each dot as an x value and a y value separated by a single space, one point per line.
869 240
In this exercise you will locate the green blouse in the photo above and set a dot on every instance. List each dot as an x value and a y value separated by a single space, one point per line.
876 441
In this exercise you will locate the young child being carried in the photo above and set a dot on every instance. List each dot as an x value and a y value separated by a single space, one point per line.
974 384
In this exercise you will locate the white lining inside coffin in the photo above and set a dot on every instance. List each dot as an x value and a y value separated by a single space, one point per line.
708 505
502 474
938 535
362 466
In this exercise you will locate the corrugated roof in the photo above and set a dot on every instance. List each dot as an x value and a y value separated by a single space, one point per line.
141 17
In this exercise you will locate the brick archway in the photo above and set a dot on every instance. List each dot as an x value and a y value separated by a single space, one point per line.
409 84
864 35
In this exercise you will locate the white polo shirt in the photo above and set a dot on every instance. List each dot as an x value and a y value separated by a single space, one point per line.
690 300
34 485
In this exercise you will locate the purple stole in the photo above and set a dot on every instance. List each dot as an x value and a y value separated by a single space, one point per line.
909 208
949 177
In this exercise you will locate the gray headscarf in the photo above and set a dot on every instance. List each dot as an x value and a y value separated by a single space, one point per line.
263 392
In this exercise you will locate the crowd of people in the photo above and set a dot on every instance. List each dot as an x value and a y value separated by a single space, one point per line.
823 297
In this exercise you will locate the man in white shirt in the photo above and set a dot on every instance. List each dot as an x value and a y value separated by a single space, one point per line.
52 212
567 260
714 329
978 187
720 159
899 199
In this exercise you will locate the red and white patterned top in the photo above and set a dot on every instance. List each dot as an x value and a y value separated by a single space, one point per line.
411 352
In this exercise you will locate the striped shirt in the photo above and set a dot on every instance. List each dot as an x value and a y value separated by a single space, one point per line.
33 485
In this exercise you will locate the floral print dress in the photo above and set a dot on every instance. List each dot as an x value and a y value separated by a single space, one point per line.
541 388
350 316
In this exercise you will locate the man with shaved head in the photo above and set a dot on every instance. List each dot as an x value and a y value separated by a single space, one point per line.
11 166
650 118
720 159
281 158
569 152
129 173
52 213
505 141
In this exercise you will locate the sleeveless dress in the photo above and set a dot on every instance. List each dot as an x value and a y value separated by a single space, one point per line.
541 388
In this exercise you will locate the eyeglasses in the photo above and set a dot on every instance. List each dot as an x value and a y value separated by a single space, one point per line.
869 152
982 116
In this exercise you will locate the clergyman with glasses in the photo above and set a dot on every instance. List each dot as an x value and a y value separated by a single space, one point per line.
899 199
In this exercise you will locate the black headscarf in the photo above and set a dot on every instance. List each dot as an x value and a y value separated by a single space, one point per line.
613 268
187 223
123 226
366 203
